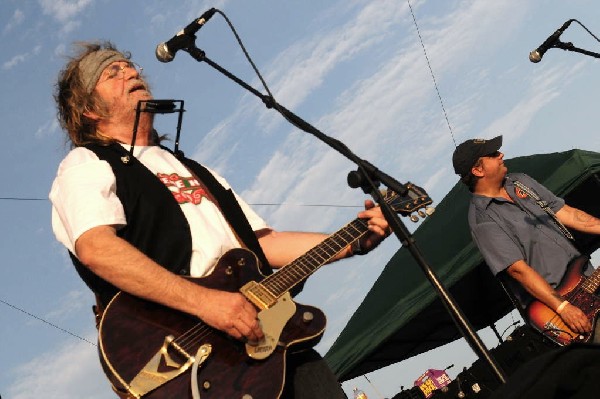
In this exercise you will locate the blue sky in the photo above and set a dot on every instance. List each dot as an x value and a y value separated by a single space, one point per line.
354 69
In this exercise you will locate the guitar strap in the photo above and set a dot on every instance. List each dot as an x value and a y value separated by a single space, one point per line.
544 205
226 202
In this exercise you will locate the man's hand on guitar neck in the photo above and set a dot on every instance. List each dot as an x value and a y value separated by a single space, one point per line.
282 247
377 225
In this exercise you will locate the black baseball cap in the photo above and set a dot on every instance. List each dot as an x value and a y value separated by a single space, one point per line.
468 152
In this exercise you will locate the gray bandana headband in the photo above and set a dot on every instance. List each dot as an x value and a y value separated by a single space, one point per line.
92 65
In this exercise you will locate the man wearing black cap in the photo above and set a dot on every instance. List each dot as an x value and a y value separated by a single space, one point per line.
515 234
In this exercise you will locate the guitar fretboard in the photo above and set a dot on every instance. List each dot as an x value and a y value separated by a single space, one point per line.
591 283
301 268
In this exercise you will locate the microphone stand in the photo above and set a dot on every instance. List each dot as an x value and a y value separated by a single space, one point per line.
570 47
368 178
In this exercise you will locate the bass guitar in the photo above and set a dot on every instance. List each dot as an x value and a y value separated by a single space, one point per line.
151 351
580 291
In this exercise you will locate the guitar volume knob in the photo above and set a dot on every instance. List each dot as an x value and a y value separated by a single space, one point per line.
307 317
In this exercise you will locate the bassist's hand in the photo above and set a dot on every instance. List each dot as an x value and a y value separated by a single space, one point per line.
231 313
576 319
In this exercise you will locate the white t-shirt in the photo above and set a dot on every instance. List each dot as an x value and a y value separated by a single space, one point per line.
83 196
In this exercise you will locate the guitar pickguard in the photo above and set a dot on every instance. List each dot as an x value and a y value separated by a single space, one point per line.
272 322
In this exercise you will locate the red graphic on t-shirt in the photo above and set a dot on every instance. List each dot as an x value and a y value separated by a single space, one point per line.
184 189
520 193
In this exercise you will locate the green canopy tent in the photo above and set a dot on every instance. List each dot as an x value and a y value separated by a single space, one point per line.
402 315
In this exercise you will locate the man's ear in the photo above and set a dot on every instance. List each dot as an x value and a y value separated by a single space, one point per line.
477 171
92 115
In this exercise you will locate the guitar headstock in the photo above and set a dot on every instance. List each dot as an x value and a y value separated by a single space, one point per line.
415 200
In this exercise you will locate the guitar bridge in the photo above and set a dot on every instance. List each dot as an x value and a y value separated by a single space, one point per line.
559 335
552 329
150 377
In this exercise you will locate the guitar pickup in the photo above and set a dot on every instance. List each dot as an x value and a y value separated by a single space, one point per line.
256 293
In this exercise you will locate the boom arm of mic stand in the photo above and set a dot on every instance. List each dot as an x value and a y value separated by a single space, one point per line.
300 123
372 175
569 47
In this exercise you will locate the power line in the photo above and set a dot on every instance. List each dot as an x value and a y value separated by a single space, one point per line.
307 205
431 71
253 204
22 199
45 321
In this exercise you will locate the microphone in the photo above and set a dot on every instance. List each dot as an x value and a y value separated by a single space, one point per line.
165 52
537 54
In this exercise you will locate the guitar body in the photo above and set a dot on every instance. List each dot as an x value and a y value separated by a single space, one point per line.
140 361
548 322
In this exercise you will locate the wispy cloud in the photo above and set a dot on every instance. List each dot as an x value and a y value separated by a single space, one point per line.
14 61
69 371
545 87
64 10
50 126
303 67
69 303
20 58
17 19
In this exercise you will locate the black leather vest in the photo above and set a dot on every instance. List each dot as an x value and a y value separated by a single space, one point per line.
156 224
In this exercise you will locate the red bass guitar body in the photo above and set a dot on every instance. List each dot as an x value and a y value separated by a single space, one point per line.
580 291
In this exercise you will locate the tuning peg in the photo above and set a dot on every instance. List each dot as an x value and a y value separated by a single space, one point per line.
414 218
429 210
422 213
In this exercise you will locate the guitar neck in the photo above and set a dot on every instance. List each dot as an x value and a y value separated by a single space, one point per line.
301 268
591 283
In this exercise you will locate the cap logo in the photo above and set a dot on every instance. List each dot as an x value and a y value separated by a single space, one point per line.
478 141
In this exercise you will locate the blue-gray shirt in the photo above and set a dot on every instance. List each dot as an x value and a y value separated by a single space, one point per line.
506 232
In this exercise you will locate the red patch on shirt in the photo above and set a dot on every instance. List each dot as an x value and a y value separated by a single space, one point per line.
520 193
184 189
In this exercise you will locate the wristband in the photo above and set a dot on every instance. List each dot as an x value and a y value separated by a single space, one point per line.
561 307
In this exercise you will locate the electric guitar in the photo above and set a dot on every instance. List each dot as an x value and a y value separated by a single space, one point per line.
580 291
151 351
